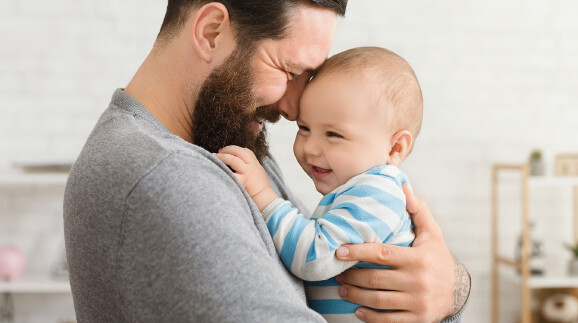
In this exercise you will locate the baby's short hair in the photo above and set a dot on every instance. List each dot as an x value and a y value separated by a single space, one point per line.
398 94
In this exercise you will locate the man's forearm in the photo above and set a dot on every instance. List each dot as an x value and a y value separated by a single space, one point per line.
461 289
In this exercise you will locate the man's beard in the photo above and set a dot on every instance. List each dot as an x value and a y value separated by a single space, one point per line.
226 108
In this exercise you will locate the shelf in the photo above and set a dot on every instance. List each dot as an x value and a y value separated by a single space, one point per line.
553 180
36 286
542 281
553 282
526 281
20 178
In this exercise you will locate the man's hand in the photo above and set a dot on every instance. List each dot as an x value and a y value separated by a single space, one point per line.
424 283
250 173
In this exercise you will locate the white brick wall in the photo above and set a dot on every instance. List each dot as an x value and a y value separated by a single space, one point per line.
500 78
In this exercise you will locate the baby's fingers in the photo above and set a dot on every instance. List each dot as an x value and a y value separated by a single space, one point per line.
244 154
236 163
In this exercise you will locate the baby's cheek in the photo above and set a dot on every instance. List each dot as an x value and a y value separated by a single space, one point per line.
300 159
297 148
299 154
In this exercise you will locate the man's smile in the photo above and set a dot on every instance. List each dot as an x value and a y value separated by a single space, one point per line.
257 126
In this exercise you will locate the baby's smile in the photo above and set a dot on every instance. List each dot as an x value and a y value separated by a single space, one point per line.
320 173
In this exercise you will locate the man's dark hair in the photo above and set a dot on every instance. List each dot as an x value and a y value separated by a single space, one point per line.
252 20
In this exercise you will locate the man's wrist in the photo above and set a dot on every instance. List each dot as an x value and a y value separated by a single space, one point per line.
461 288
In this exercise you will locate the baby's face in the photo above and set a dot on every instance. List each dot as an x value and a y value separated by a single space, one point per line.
340 135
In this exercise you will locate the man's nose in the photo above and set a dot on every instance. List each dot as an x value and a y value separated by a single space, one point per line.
288 105
288 108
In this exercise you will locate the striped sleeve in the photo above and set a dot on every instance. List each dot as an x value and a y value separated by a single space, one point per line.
369 208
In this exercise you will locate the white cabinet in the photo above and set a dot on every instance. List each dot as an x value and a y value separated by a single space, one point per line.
31 219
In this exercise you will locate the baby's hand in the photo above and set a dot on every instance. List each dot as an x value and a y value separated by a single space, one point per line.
250 173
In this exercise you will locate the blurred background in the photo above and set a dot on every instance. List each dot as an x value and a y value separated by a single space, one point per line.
499 79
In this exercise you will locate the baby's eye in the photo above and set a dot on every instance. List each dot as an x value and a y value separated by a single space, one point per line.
303 128
333 134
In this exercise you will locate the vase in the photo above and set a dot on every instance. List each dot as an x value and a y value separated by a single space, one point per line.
536 167
573 267
12 263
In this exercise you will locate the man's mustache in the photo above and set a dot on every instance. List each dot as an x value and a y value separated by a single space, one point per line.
267 113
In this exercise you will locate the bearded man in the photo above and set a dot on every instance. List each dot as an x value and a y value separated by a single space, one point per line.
159 230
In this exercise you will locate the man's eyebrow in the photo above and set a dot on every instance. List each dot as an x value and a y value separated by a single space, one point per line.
304 69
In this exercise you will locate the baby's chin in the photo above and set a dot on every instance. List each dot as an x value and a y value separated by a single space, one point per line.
323 189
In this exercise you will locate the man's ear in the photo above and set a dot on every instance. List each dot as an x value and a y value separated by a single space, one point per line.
400 147
211 29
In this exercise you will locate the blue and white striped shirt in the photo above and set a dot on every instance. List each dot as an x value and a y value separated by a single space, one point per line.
370 207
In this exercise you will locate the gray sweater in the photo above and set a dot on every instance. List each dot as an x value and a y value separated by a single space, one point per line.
159 230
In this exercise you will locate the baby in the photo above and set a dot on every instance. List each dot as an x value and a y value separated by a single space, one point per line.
359 117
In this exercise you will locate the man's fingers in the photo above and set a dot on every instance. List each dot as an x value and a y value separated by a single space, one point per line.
384 300
376 253
423 221
402 304
235 162
412 203
368 315
375 279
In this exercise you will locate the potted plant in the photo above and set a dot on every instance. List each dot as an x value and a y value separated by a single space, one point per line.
536 163
573 264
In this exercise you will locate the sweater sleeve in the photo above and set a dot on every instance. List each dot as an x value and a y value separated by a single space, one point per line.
190 252
370 210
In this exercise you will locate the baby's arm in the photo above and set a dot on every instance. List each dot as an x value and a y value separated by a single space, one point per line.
250 173
370 211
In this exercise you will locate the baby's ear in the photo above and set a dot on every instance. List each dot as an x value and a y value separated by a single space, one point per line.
400 147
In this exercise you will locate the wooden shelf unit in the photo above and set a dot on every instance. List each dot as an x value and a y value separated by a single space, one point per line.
35 286
32 179
524 278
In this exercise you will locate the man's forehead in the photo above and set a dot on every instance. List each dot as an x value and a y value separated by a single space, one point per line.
310 36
